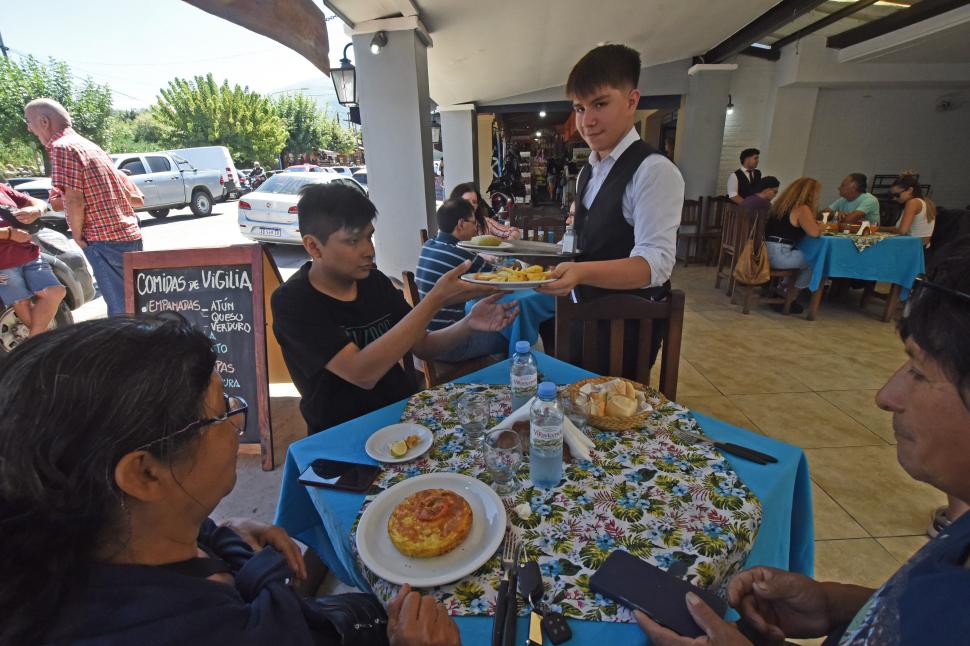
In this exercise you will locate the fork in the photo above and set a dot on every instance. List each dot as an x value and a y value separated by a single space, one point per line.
510 549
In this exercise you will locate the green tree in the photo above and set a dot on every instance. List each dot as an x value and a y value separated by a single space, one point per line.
135 132
302 119
21 82
200 112
336 137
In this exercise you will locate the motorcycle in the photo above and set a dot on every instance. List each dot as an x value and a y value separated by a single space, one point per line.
71 269
255 181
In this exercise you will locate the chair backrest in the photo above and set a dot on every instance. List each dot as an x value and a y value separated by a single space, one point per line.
544 228
717 208
691 213
729 221
747 218
410 289
423 234
611 312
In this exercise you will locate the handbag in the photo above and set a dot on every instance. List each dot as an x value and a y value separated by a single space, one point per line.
358 618
753 267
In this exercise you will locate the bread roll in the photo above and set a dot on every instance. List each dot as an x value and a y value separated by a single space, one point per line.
621 406
597 404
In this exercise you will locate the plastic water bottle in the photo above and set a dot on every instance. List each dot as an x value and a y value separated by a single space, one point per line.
545 438
523 376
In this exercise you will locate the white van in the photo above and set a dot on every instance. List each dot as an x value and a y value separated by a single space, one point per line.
215 158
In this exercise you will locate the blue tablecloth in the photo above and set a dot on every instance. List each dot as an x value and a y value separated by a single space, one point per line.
534 308
894 260
322 518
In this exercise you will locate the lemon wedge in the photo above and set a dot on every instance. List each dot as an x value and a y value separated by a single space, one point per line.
398 449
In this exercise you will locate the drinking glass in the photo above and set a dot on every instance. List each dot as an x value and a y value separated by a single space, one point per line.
473 414
577 410
874 227
503 455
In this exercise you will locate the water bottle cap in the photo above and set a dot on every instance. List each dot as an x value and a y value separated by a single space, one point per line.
522 347
547 390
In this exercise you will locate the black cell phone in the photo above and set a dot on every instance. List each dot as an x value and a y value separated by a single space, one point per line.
336 474
642 586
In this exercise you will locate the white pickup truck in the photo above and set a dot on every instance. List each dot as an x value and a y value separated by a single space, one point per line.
170 182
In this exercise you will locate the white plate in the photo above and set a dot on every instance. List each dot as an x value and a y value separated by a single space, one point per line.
377 444
378 553
482 247
522 284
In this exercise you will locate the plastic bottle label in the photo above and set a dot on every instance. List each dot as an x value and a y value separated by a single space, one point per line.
524 382
546 434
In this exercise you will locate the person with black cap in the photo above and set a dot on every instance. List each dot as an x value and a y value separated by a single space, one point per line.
765 191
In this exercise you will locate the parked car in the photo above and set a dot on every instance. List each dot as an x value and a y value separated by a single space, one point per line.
361 177
343 170
171 182
14 182
269 214
215 158
67 261
306 168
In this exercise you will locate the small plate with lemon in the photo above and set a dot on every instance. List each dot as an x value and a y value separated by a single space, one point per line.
399 443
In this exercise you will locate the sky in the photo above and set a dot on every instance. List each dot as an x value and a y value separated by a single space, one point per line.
138 46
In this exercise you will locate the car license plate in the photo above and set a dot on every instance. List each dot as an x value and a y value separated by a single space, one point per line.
266 231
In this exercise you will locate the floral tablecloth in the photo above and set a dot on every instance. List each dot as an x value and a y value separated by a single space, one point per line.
864 241
649 492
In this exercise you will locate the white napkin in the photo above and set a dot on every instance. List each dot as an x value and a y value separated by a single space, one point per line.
863 227
825 217
579 444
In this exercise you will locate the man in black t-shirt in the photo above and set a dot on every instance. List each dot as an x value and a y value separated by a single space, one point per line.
343 326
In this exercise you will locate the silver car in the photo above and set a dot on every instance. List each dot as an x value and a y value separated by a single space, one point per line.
269 214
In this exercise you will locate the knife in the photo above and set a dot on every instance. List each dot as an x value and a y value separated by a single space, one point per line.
734 449
511 610
499 624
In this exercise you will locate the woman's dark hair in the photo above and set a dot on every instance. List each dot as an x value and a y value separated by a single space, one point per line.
73 402
451 212
616 66
938 321
324 209
909 181
482 212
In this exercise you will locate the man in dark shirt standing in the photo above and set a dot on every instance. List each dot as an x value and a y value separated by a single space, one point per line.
343 327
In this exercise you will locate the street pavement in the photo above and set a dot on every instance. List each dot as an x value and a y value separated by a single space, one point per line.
182 230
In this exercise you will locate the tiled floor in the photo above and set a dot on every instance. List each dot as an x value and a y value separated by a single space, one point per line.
811 384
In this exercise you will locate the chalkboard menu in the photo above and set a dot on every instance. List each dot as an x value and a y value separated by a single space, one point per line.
220 290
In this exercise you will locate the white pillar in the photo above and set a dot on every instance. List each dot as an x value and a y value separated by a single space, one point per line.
789 132
700 127
459 144
395 110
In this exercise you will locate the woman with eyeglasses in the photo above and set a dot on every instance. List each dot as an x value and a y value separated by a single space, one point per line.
918 217
116 443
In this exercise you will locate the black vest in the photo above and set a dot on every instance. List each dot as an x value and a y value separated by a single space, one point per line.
745 186
602 233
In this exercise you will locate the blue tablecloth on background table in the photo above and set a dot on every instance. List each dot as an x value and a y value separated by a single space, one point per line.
894 260
322 518
534 308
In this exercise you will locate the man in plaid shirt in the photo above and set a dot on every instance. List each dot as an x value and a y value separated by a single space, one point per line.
102 221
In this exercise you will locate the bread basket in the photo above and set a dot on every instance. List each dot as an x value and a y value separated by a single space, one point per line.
607 423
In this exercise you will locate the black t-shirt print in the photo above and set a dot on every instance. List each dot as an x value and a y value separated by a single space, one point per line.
312 328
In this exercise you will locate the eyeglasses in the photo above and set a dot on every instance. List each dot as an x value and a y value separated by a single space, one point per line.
234 406
922 281
895 195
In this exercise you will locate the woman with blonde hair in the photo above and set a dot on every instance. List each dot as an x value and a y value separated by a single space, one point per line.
918 217
791 218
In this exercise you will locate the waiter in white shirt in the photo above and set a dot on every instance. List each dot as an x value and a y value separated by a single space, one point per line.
629 196
741 183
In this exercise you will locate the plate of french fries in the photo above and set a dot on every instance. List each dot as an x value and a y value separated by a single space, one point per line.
511 278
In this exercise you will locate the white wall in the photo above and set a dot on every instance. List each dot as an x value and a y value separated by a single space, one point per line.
882 130
751 87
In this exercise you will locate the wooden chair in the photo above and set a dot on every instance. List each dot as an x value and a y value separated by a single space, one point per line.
543 227
690 230
781 281
712 223
423 234
729 247
438 372
614 311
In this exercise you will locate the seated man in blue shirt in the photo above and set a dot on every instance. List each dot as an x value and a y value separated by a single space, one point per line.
925 601
854 203
441 254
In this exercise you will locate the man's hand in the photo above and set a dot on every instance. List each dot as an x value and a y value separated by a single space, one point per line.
413 620
19 235
80 242
779 604
450 288
28 214
489 316
259 535
718 632
567 275
572 213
